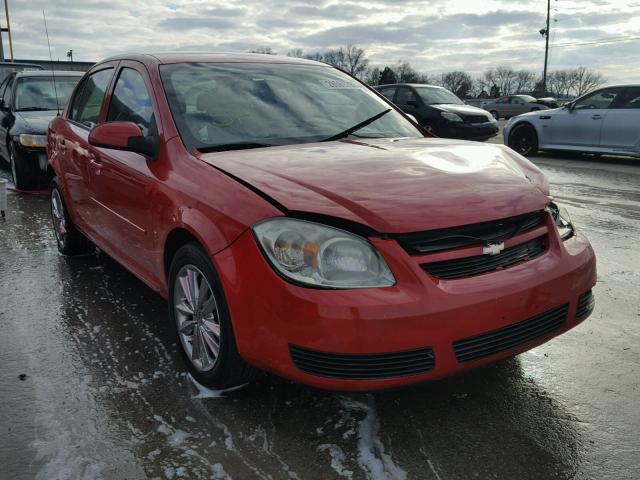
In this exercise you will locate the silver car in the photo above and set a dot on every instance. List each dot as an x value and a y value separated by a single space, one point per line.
512 105
603 121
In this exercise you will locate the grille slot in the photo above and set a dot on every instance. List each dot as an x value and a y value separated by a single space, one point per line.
481 346
475 119
586 303
465 267
363 367
454 237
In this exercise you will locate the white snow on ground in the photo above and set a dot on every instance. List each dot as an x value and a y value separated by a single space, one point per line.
337 459
205 392
219 473
371 456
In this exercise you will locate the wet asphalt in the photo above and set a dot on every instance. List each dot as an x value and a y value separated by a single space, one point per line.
103 393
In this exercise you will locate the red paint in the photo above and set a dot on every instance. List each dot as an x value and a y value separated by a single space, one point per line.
114 135
129 205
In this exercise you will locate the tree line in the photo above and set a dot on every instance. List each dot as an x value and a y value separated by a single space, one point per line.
492 83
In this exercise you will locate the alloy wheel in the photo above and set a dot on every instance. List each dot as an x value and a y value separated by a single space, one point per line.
522 140
58 217
197 317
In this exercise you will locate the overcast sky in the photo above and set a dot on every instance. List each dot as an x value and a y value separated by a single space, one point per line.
433 35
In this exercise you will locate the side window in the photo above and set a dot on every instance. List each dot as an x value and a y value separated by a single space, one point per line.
517 101
503 100
7 95
87 101
405 95
130 101
629 98
388 92
600 99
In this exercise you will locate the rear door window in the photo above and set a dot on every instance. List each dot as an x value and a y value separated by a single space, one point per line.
130 101
629 98
87 101
388 92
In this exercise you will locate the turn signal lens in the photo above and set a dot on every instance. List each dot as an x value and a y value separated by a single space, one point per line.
33 141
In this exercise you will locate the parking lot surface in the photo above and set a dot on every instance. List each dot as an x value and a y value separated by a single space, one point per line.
92 385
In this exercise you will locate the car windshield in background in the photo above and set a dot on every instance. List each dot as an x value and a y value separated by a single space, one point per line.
39 93
437 96
528 98
227 106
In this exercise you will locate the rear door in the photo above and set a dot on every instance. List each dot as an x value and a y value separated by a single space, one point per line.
121 181
72 141
581 125
5 119
621 126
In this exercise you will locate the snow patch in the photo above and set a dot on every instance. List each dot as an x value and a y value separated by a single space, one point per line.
337 459
205 392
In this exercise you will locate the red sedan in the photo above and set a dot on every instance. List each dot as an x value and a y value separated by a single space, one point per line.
298 222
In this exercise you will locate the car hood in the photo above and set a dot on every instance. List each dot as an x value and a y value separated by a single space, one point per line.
392 185
37 122
460 109
548 112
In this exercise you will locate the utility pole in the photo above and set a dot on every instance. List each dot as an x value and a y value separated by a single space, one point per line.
546 49
8 30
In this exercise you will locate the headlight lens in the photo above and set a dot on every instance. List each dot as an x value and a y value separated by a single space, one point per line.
31 141
562 221
322 256
452 117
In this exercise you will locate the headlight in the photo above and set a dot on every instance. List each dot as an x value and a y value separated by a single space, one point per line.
452 117
322 256
562 220
31 141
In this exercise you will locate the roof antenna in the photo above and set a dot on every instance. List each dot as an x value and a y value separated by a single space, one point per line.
53 70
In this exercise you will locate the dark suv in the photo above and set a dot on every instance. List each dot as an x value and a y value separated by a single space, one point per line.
441 112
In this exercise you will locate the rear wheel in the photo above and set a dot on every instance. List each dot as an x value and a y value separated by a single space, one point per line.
70 240
24 172
495 114
201 321
524 139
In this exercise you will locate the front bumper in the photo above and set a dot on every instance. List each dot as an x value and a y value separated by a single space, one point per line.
271 316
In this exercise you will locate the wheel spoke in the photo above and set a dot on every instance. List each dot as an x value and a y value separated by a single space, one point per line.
186 291
212 327
187 327
205 356
194 288
212 343
196 345
184 307
209 306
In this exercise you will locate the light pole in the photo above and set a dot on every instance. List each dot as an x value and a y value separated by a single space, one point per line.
545 33
8 30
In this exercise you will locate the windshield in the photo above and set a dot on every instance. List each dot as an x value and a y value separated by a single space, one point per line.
38 93
245 105
527 98
437 96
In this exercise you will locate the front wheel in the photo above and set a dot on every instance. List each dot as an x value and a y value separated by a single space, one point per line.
201 321
524 139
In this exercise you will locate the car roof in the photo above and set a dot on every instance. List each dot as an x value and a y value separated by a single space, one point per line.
49 73
20 64
202 57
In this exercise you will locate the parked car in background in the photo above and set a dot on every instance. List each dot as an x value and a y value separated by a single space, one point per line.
28 102
550 102
441 112
604 121
512 105
9 67
299 223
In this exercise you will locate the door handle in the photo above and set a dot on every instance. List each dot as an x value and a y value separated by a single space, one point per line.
597 116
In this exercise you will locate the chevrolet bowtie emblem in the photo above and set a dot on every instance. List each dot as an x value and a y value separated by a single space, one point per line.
493 248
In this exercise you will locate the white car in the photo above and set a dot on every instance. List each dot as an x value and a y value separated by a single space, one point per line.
603 121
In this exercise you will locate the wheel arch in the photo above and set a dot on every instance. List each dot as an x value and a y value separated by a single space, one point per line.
177 238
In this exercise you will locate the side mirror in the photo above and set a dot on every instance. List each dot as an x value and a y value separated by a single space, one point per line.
125 136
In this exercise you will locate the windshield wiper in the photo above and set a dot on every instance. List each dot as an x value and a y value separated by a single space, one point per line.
357 127
224 147
33 109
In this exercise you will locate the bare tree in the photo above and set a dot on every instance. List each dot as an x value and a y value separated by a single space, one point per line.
387 76
458 82
263 50
525 81
355 60
405 73
586 80
295 52
372 77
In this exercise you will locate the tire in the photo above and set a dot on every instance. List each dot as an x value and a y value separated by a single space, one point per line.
202 330
495 114
524 139
25 173
70 241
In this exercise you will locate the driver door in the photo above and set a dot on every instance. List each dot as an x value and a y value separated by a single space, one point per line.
581 125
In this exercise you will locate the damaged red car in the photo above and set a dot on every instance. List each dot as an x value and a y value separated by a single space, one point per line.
299 223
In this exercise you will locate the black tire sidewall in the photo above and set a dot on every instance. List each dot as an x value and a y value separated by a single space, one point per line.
25 176
229 366
75 243
534 145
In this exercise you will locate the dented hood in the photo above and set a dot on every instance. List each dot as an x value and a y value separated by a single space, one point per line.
393 185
